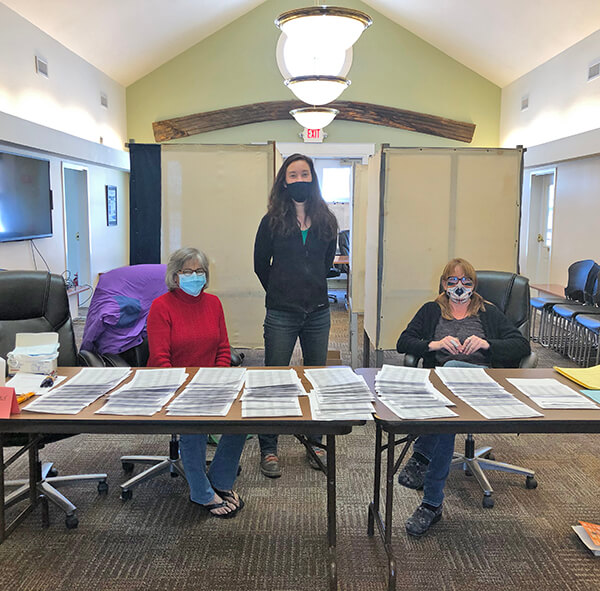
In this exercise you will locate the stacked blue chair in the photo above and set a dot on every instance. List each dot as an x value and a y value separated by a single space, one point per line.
579 272
587 327
565 340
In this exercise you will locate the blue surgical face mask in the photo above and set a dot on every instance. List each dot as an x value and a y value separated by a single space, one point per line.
192 284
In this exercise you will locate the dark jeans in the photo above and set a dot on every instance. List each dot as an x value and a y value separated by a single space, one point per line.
281 331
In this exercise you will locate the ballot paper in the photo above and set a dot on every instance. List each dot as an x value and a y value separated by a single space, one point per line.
271 393
211 392
31 382
80 391
477 389
339 394
146 393
550 393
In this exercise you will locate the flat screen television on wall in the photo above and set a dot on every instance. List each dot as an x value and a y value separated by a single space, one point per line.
25 198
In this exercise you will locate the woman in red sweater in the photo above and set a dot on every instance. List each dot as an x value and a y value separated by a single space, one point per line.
186 328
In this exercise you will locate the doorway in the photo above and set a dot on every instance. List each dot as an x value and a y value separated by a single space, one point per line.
540 227
77 234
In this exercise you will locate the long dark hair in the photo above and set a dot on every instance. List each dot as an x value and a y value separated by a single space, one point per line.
282 212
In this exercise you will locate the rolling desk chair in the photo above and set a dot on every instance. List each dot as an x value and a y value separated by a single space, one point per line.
510 293
36 301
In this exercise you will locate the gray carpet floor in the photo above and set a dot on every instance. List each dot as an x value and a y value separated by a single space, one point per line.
159 541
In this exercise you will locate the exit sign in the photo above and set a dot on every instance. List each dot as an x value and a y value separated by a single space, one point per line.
313 135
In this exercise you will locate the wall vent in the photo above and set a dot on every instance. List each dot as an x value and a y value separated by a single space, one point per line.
104 100
594 71
41 66
525 102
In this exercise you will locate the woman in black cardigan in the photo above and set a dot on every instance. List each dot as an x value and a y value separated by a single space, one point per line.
457 329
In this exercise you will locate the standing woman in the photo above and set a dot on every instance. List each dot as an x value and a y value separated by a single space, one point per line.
186 328
293 252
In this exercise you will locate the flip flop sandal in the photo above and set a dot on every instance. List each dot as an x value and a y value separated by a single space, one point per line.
232 497
211 506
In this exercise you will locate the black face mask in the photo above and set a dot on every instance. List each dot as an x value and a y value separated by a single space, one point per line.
299 191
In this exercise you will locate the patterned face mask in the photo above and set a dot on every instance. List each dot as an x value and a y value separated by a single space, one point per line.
459 294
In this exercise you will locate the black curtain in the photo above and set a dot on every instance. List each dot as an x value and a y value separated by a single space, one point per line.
144 203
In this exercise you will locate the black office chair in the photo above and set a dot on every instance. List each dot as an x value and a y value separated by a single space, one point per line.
138 357
344 249
510 293
37 301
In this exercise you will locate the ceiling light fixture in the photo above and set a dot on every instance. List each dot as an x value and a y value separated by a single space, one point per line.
314 117
324 26
317 90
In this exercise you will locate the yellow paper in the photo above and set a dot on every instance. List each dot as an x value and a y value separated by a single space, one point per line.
588 377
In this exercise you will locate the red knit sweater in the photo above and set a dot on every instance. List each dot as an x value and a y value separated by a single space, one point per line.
187 331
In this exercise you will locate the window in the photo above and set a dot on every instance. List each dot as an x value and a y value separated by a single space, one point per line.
335 180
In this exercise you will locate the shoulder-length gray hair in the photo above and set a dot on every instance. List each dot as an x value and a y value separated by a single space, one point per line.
178 259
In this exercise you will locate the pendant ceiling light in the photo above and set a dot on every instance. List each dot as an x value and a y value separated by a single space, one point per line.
324 26
314 117
317 90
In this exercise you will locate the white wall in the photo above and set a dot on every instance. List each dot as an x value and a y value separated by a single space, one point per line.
561 100
69 99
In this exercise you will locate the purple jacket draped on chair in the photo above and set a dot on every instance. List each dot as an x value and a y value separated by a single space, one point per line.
116 319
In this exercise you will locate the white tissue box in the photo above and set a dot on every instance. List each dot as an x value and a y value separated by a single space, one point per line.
34 353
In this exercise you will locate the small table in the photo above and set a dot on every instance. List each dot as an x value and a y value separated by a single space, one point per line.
468 421
73 294
549 288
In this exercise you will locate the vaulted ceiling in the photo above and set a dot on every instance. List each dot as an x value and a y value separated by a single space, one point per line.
127 39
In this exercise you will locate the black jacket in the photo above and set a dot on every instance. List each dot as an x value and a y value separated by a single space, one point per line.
293 274
507 345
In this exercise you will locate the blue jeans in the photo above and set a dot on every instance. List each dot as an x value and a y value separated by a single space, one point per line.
438 449
223 468
281 331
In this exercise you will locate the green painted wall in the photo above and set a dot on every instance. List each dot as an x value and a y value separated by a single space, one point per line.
237 66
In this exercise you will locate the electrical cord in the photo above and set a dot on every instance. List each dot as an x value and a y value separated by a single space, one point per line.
33 245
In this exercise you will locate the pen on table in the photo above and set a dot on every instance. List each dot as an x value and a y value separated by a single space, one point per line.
48 382
24 397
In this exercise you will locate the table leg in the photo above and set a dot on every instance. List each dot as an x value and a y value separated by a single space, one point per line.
331 512
374 506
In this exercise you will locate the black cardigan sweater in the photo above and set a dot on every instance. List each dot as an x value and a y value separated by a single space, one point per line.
507 345
293 274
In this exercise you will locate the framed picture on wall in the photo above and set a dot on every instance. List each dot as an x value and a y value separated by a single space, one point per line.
111 205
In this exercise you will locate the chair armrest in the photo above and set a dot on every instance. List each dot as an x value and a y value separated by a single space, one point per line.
530 361
411 360
89 359
236 357
114 360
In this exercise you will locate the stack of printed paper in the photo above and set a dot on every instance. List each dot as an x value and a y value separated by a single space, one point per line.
272 393
80 391
211 392
339 394
408 393
550 393
147 393
483 394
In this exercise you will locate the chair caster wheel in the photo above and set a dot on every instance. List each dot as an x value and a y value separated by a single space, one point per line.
127 466
531 482
174 474
71 521
103 487
468 472
126 495
239 470
490 456
488 502
53 472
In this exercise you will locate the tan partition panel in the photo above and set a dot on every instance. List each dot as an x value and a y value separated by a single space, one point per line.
358 236
488 187
213 199
372 247
437 204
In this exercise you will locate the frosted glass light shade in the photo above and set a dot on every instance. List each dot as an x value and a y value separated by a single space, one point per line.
314 117
327 26
317 90
296 58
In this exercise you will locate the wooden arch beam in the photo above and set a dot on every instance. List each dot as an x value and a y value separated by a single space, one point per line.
170 129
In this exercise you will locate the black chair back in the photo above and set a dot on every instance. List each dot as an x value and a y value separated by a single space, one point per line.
344 248
579 273
510 293
36 301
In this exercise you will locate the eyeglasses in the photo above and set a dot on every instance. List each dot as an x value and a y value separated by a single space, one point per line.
190 272
466 281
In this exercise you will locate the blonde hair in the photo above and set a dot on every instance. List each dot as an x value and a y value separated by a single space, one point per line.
476 303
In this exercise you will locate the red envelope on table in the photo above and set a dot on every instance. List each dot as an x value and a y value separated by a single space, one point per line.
8 403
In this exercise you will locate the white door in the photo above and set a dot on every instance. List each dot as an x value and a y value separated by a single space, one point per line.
75 188
541 219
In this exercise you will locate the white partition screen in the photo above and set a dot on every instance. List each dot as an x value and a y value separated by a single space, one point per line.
213 199
435 204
